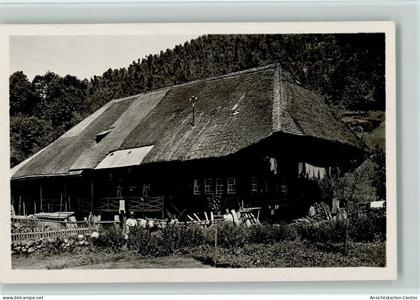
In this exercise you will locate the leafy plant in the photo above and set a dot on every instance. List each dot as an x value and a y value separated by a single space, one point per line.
214 203
323 232
271 233
230 235
195 235
111 237
141 240
368 228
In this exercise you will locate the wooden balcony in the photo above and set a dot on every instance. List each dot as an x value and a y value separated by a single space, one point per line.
135 204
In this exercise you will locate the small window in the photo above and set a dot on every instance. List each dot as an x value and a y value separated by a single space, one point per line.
231 185
254 185
197 187
146 190
219 186
208 186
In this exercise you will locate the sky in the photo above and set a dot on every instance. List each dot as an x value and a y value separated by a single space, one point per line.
84 56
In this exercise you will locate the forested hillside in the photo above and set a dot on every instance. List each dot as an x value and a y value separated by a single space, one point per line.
347 69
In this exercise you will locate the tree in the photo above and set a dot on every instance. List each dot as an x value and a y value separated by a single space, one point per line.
28 135
50 101
22 99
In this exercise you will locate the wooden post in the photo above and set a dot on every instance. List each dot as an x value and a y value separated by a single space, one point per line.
346 238
163 207
195 215
91 195
20 203
40 197
65 195
122 221
215 247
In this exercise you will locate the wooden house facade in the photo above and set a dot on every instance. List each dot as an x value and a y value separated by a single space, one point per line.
241 139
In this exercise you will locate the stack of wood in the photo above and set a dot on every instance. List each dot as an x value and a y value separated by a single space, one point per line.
206 220
322 211
247 216
243 216
54 215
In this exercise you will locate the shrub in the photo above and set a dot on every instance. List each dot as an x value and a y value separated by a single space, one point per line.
323 232
174 238
214 203
229 235
111 237
271 233
293 254
143 241
167 241
170 238
368 228
290 233
194 235
261 234
328 235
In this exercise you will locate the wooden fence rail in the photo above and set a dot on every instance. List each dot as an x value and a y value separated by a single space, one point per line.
61 233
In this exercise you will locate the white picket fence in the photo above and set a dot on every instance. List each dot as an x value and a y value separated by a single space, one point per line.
61 233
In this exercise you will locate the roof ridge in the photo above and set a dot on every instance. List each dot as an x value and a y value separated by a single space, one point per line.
217 77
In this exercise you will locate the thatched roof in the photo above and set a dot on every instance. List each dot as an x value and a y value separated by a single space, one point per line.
233 112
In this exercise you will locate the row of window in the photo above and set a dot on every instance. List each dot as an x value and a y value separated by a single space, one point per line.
216 186
220 186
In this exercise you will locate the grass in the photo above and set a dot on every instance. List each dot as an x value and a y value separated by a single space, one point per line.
102 260
284 254
295 254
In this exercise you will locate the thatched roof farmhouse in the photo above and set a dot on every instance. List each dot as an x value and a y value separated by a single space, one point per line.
256 129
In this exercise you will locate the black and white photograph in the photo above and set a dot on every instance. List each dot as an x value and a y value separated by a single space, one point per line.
201 150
